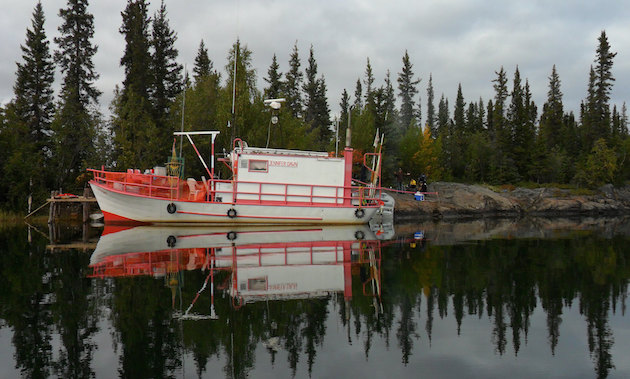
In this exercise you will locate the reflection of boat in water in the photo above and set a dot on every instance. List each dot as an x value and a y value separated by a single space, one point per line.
265 262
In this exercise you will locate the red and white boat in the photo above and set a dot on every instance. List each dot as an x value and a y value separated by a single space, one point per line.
274 186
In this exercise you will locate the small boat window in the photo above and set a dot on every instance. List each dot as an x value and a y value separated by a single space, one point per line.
257 284
258 166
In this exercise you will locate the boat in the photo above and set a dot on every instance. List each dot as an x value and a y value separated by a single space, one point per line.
264 262
266 185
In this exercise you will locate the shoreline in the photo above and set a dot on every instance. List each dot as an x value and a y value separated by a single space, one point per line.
457 201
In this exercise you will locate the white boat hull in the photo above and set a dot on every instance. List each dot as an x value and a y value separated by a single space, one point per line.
118 206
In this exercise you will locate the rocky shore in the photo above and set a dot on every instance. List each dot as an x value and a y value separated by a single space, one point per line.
459 201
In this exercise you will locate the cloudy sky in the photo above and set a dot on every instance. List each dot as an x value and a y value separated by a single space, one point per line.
457 41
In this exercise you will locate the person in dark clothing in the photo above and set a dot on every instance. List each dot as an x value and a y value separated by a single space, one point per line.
399 179
422 182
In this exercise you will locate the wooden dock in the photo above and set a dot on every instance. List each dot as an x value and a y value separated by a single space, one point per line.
59 203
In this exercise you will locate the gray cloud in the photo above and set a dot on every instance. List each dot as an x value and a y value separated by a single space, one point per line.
455 41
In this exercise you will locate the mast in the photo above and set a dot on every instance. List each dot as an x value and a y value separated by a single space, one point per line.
181 140
236 49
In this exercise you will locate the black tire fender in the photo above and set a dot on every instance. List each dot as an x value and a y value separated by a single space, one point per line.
231 213
171 208
231 235
171 241
359 235
359 213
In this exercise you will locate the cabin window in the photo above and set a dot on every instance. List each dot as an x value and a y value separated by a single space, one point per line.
258 166
257 284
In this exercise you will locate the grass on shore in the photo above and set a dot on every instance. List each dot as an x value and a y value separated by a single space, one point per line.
10 219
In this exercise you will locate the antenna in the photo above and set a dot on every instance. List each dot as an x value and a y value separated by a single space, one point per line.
275 105
236 49
181 140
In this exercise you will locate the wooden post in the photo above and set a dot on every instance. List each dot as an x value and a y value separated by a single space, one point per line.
85 205
51 210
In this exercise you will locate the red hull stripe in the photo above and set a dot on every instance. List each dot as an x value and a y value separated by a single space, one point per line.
250 232
265 217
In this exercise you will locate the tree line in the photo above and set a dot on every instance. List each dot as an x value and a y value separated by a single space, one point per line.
47 142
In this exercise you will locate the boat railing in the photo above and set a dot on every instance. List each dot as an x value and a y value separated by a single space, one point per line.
228 191
133 181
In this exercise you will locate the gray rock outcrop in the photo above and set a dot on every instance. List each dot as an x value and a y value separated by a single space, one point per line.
455 200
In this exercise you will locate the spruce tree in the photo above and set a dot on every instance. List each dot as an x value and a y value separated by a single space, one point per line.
624 120
203 64
293 84
443 116
358 96
310 90
167 76
490 122
241 85
418 113
407 87
77 118
521 138
274 78
503 168
33 85
431 122
391 128
322 114
552 117
25 129
390 100
136 57
459 113
344 106
588 119
445 134
133 121
316 111
369 84
603 85
473 121
458 135
481 124
502 134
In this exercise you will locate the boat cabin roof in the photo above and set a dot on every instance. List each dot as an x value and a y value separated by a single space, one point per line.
267 151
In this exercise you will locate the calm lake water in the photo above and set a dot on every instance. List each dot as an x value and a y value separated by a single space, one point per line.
482 299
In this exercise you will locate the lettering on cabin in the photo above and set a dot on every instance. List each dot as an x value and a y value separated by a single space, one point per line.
292 164
282 287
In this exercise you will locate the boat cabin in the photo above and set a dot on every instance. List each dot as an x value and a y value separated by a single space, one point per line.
277 174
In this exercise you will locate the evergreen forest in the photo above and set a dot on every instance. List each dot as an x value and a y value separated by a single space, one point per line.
48 139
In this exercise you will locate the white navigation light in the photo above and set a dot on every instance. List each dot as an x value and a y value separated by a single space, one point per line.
275 104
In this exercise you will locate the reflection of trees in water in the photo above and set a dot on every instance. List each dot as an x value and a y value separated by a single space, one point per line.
75 315
24 303
143 329
511 276
43 293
